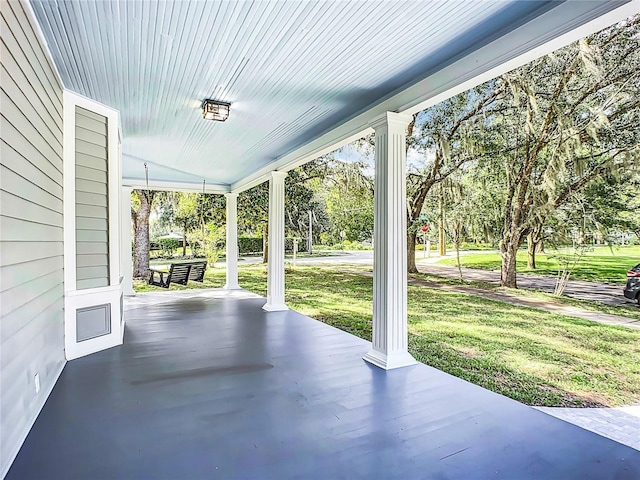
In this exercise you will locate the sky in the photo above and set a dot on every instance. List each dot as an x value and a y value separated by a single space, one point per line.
350 153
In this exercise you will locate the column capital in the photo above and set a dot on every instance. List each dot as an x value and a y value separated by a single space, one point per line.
277 175
392 119
231 194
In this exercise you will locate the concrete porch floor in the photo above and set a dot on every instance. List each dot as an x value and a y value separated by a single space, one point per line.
208 385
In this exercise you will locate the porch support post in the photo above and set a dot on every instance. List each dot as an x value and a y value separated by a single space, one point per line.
389 343
232 242
275 267
126 261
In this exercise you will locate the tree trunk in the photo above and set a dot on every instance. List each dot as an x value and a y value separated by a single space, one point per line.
532 246
184 240
265 244
508 251
411 252
442 240
535 245
141 240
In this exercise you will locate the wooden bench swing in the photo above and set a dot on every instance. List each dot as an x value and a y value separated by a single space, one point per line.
179 273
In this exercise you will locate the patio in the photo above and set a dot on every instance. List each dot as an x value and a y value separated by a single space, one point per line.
209 385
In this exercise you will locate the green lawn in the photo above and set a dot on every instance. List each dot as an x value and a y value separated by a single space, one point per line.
601 265
534 357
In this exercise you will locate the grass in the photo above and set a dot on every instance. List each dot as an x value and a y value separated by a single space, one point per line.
531 356
600 265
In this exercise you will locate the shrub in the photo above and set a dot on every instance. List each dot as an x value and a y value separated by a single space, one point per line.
168 245
253 245
248 245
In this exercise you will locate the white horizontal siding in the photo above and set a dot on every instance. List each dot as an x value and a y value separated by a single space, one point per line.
14 253
91 236
93 248
30 147
92 200
90 186
16 309
91 161
91 283
20 230
32 62
91 150
92 174
25 98
12 276
23 158
30 210
22 122
92 223
20 363
31 238
89 136
46 194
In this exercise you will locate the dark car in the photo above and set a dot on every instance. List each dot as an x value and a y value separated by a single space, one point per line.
632 290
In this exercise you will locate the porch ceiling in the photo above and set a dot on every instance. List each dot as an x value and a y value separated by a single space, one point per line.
301 76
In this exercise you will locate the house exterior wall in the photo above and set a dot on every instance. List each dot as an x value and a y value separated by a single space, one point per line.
31 227
92 200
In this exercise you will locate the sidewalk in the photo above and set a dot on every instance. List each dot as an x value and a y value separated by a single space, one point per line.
620 424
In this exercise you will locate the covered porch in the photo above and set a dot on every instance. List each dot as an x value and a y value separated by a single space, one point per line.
104 97
210 385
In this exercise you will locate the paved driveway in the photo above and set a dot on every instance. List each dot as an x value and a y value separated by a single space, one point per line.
364 257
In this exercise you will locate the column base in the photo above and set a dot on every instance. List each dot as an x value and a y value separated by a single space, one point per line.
275 307
232 287
127 288
389 361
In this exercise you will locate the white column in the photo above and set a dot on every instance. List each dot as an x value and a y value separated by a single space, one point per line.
126 262
389 343
275 268
232 242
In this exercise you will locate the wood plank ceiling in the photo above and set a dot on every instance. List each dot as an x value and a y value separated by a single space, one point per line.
291 69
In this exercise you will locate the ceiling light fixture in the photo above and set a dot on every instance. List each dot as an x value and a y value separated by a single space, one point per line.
215 110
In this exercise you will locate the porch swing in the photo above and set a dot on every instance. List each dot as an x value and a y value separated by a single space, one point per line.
179 273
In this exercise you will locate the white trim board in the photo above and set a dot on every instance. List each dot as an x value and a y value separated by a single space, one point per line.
75 299
139 184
